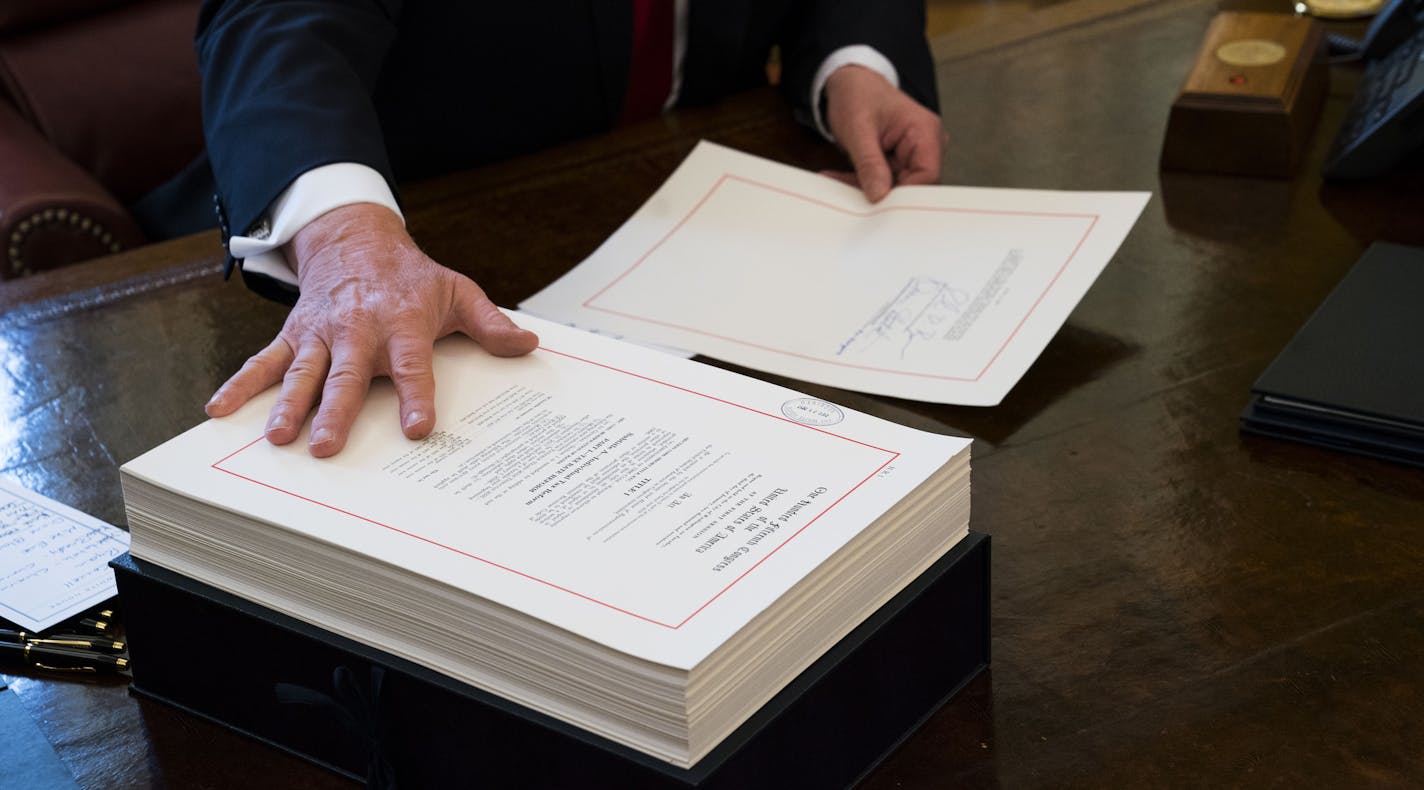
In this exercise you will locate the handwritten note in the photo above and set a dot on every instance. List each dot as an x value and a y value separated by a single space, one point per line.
53 559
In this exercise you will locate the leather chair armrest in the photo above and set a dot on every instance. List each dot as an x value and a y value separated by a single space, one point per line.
117 92
52 213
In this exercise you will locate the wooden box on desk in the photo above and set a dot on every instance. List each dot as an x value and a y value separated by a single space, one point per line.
364 713
1252 99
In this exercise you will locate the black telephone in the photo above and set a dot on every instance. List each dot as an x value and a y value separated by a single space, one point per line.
1386 120
1392 25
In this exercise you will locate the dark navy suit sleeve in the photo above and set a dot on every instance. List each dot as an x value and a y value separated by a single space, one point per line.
895 28
287 87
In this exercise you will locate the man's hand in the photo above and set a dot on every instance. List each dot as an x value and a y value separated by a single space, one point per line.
891 139
372 304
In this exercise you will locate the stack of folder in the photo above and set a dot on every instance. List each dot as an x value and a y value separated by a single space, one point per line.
1352 378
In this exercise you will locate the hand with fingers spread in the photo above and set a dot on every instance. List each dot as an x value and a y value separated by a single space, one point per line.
890 138
372 304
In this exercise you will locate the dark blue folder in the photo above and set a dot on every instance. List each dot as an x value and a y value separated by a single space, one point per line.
1352 378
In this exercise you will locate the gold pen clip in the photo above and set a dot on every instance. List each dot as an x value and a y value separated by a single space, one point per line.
90 670
82 644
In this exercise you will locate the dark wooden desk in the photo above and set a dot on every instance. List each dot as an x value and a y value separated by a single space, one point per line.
1173 603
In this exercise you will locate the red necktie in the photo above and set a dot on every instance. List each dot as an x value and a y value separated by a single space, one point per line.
650 68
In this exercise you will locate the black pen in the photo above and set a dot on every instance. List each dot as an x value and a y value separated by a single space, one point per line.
63 659
99 644
90 625
80 641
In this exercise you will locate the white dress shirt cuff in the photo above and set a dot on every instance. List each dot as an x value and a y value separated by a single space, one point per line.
312 194
854 55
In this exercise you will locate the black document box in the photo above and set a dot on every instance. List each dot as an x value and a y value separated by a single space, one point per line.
359 711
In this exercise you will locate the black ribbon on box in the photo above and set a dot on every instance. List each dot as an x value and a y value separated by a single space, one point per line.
356 707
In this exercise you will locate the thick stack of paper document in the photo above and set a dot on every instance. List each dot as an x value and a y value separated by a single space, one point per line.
646 547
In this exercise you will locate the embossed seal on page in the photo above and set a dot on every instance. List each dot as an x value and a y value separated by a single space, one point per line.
812 411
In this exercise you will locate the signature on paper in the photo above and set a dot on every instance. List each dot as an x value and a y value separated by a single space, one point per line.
928 309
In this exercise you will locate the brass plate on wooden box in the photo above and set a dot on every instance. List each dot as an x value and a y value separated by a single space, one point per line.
1340 9
1252 98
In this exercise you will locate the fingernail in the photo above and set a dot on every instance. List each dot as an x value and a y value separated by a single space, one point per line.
216 400
321 436
413 419
278 423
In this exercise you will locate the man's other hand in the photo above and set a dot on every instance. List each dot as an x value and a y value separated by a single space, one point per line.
890 138
372 304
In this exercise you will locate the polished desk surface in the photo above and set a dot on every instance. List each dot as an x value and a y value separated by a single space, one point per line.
1173 603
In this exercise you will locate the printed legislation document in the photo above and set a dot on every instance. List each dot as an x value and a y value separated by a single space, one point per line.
937 293
639 544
